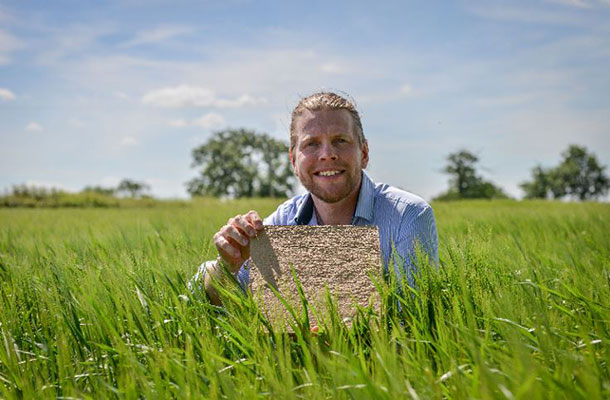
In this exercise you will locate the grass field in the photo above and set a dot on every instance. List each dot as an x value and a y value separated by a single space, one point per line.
93 304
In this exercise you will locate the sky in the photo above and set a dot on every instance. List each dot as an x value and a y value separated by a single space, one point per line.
92 92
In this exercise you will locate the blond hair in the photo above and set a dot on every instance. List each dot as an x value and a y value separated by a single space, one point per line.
326 101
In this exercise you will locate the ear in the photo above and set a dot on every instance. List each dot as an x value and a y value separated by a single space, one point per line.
292 161
364 154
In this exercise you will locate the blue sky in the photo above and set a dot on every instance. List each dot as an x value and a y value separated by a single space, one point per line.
92 92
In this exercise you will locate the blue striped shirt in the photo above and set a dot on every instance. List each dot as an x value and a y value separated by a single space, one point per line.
404 220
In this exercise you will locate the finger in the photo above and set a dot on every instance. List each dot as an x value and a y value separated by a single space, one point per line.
230 231
315 329
255 220
223 245
241 223
244 251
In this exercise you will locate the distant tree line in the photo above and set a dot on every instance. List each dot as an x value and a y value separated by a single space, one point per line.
125 188
578 176
242 163
127 192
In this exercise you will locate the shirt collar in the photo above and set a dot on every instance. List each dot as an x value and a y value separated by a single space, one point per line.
304 211
366 199
364 207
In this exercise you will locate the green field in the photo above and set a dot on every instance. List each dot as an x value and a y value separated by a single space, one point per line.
93 304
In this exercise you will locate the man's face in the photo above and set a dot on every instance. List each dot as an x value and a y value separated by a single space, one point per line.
327 158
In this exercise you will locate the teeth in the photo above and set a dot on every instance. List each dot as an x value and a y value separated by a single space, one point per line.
328 173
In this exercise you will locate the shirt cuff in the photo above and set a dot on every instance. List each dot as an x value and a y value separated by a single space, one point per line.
197 281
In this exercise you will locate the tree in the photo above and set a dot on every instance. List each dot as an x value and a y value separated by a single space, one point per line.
26 191
132 188
579 175
461 167
106 191
464 182
242 163
540 186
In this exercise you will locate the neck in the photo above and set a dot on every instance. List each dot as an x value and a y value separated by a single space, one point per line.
339 213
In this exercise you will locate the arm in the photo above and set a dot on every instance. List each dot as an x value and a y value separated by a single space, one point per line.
417 232
201 281
233 244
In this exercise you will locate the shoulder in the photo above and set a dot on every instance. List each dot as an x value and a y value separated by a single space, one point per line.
407 204
286 212
408 215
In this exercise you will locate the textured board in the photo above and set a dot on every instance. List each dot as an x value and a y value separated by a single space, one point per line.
341 258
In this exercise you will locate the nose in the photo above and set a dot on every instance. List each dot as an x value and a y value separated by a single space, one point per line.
328 152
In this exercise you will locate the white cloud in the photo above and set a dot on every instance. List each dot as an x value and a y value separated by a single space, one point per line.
6 94
241 75
207 121
128 141
195 96
33 127
8 44
241 101
180 96
73 41
157 35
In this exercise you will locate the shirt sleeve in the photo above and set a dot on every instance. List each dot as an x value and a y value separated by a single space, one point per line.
417 234
278 217
196 282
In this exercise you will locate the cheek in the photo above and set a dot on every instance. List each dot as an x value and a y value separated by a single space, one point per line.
352 154
298 165
303 160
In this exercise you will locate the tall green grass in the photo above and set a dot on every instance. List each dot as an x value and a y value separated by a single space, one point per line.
93 303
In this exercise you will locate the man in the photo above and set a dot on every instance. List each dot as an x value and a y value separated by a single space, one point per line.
329 152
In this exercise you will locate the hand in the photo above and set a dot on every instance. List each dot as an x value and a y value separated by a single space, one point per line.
233 240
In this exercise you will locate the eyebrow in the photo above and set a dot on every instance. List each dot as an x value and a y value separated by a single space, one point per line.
332 136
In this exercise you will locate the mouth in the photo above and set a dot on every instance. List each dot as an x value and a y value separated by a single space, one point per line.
329 173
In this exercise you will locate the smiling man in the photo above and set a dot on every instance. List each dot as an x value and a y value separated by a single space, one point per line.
329 153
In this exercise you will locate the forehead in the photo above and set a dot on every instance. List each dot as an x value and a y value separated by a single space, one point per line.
324 122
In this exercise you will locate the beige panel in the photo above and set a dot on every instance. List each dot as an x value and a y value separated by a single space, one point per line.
341 258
